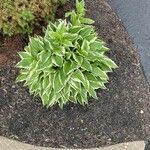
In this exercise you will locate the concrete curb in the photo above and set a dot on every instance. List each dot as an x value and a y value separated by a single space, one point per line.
7 144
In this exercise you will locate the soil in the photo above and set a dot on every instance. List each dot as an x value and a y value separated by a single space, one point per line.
121 113
9 46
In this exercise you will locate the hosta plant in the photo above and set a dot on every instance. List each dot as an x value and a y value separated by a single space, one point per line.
19 16
68 63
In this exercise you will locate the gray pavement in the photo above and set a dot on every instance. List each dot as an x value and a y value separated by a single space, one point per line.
135 15
7 144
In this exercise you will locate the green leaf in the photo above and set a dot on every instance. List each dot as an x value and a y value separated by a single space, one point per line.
34 65
51 26
44 66
104 67
44 56
86 65
80 99
67 43
32 77
109 63
80 7
90 77
78 58
21 77
66 92
93 56
33 87
36 44
85 45
47 45
45 99
91 38
69 66
57 60
61 27
57 85
87 21
51 99
83 52
64 78
98 72
60 51
86 31
73 96
61 102
97 85
54 36
74 19
96 45
76 85
68 55
78 76
58 100
51 77
25 55
70 36
86 84
24 63
75 29
68 14
74 66
92 93
83 99
46 83
27 49
104 48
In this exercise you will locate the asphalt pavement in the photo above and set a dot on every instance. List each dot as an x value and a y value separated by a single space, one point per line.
135 15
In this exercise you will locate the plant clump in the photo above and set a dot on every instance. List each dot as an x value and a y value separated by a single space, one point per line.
68 63
19 16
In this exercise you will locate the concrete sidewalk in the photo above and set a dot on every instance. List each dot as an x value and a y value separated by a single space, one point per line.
7 144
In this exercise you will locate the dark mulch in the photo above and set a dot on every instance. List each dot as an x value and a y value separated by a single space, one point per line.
120 114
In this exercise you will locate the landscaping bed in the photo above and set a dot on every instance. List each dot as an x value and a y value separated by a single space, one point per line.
120 114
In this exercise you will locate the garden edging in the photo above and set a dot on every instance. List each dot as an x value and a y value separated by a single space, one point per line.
7 144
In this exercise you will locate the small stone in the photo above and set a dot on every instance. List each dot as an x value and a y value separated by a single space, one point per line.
75 145
47 140
141 111
71 128
5 90
13 86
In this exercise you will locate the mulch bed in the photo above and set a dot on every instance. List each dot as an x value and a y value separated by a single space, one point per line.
120 114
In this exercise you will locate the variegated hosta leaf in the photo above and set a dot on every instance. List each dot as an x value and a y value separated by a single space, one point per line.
68 63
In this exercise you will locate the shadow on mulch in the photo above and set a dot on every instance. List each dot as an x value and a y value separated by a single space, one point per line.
120 114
